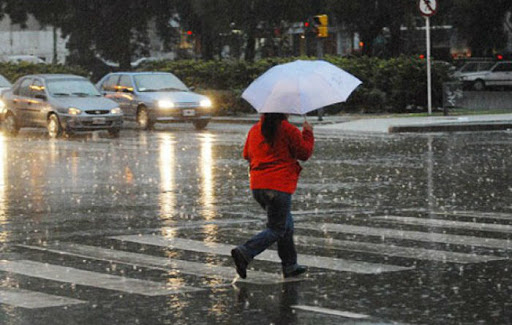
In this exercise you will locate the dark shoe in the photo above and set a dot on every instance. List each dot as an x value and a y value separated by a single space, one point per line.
240 262
297 271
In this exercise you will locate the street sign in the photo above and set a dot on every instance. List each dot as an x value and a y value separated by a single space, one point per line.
427 7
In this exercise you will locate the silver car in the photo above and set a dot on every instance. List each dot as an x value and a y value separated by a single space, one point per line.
497 74
156 97
4 84
61 103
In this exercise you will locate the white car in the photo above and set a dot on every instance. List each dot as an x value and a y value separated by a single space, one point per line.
499 74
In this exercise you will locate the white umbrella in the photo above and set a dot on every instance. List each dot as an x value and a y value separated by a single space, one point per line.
300 87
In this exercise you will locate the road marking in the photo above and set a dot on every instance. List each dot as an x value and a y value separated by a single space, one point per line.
393 250
161 263
346 314
476 214
92 279
408 235
33 300
448 224
463 213
268 255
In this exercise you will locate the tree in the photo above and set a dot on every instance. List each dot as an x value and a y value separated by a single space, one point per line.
116 30
481 22
261 18
208 19
369 17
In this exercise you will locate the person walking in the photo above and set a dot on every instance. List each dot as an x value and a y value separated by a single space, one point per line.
273 148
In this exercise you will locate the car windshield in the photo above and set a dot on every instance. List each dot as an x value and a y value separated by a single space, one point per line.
158 82
4 82
72 87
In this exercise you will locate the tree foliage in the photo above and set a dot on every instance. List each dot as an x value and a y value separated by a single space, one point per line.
117 30
481 22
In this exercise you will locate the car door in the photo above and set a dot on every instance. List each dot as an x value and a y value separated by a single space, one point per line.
108 87
126 97
19 103
37 103
502 74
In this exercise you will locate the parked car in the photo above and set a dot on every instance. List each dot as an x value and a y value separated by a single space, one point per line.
156 97
473 66
4 84
61 103
498 74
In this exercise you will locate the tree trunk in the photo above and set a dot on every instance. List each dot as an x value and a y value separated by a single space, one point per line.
250 49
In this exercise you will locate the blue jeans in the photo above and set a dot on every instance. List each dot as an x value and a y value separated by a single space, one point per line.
279 228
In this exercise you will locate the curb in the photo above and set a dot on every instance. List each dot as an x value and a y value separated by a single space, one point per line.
465 127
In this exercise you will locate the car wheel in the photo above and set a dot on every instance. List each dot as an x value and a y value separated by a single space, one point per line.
143 119
114 132
53 126
200 124
11 125
479 85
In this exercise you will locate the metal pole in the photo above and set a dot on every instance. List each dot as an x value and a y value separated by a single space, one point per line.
320 55
429 73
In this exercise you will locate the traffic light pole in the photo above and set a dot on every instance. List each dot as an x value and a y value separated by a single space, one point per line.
429 72
320 55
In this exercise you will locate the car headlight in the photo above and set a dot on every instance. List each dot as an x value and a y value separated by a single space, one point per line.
74 111
205 103
116 110
2 104
165 104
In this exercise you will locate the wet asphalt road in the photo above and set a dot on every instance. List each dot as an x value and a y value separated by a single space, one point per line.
396 229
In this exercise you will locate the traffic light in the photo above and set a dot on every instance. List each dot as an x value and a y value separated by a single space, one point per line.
322 25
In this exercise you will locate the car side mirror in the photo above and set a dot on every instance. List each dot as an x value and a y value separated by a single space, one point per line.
192 88
40 96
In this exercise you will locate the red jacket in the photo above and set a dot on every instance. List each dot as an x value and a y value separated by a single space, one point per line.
277 168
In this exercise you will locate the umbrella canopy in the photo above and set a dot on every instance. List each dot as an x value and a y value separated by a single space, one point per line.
300 87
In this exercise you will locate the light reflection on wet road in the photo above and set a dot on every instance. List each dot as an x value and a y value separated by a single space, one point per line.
71 205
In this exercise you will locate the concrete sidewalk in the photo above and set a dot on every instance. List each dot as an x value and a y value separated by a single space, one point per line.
358 124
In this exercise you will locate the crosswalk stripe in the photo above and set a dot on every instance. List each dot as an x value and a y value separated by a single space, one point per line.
476 214
464 213
268 255
92 279
161 263
33 300
398 251
346 314
408 235
448 224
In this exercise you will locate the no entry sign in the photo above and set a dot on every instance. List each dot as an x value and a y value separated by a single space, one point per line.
427 7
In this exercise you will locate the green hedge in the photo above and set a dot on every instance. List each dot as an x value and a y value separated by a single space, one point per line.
390 85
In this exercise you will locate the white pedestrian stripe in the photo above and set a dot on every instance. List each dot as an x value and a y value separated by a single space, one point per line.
448 224
476 214
321 262
155 262
34 300
393 250
92 279
464 213
346 314
421 236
